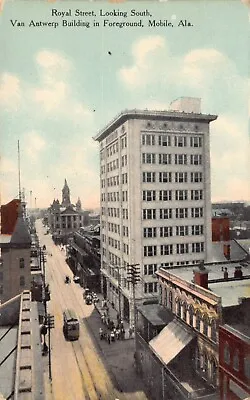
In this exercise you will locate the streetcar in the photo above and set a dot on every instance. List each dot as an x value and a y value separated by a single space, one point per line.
71 328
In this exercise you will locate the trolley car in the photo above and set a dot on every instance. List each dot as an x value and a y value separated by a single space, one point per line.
70 325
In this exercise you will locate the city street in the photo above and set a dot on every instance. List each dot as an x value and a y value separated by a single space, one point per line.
87 368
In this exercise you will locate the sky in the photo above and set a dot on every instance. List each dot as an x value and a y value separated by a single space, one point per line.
60 85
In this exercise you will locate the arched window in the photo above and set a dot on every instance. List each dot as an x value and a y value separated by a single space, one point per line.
200 359
191 315
165 297
214 372
205 366
226 353
205 324
184 309
178 307
236 360
214 330
21 263
198 320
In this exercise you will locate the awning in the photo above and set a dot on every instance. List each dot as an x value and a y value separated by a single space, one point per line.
170 341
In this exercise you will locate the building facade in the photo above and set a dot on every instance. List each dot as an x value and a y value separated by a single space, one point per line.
65 218
234 356
200 310
15 244
84 257
155 196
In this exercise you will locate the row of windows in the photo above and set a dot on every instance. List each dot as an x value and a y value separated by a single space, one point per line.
113 165
162 177
153 195
113 258
171 140
196 319
114 243
167 249
169 195
167 231
150 287
114 196
178 159
114 148
232 356
168 177
69 218
150 269
113 228
168 213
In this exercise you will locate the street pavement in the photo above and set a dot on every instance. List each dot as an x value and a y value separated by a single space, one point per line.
88 368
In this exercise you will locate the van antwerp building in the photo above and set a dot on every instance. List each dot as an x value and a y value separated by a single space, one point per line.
155 196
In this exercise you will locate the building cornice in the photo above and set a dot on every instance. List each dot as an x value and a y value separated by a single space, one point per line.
150 115
196 290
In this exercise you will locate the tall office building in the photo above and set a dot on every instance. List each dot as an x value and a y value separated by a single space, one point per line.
155 196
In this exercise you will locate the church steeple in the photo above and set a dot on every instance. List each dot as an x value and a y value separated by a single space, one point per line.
65 195
78 205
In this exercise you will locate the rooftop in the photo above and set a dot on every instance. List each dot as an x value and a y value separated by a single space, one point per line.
245 244
240 330
237 253
150 114
155 314
231 292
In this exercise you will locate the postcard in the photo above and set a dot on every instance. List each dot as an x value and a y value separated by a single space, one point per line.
98 101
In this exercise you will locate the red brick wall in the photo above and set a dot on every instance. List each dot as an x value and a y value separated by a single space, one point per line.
9 214
220 229
227 372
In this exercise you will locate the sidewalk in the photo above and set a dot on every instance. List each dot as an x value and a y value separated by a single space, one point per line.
118 355
112 314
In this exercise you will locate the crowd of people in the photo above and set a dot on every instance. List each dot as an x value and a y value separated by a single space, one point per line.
112 331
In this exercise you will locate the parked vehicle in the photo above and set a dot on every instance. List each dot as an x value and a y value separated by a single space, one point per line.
71 328
76 279
88 299
67 279
86 293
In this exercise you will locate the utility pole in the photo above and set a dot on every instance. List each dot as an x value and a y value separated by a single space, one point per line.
133 277
50 324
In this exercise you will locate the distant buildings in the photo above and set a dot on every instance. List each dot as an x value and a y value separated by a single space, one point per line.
15 244
65 218
84 257
155 196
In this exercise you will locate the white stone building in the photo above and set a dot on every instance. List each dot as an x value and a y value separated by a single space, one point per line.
155 196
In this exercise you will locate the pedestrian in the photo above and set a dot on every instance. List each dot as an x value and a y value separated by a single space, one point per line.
117 334
112 336
108 338
130 331
103 318
101 333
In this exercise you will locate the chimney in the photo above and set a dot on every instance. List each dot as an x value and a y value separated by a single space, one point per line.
238 272
201 276
227 251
